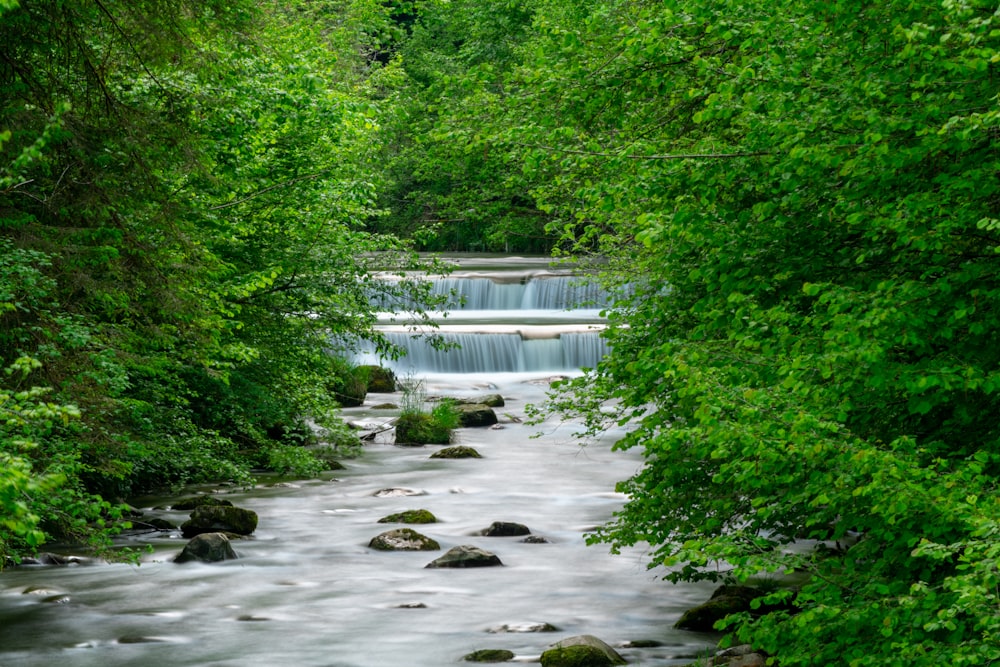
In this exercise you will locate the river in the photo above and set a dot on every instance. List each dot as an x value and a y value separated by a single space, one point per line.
307 590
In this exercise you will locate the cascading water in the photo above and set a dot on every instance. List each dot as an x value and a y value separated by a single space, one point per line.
308 591
524 319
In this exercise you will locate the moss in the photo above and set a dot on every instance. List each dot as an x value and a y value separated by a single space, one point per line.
489 655
200 501
421 429
220 519
410 516
575 656
380 380
460 452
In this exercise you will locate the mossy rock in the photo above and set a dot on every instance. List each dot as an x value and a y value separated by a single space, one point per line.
403 539
352 393
725 600
576 656
475 415
458 452
490 655
380 380
200 501
581 651
420 429
491 400
208 519
410 516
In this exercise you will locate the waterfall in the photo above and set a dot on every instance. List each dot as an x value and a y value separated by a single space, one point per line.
494 352
517 319
517 290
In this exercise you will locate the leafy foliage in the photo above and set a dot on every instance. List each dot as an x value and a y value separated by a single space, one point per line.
182 197
804 194
449 184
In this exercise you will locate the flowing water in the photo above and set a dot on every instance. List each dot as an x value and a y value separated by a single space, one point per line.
307 590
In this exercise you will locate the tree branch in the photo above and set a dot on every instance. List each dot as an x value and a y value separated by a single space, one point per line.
290 181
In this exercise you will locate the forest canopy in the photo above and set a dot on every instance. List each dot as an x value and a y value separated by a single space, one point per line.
802 198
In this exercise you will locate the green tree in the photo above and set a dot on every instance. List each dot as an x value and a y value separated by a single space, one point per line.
449 183
181 206
803 199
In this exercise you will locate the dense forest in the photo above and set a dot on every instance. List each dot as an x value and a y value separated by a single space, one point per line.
802 198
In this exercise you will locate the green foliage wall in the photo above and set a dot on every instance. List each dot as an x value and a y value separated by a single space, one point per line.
183 188
804 196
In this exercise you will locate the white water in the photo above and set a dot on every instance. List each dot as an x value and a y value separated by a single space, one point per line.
307 591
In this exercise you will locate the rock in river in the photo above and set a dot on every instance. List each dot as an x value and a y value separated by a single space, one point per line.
207 519
505 529
581 651
403 539
207 547
410 516
466 556
476 414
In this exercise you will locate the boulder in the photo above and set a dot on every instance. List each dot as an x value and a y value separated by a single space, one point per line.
380 380
188 504
491 400
581 651
505 529
725 600
475 415
208 548
489 655
208 519
410 516
457 452
403 539
465 556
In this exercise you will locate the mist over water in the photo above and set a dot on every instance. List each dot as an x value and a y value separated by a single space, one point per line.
308 591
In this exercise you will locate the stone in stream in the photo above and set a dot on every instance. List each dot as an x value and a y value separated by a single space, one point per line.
476 414
528 626
381 380
152 523
47 595
489 655
581 651
491 400
465 556
396 491
208 548
725 600
505 529
209 519
403 539
410 516
457 452
200 501
45 558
